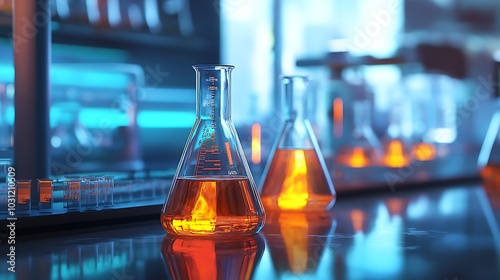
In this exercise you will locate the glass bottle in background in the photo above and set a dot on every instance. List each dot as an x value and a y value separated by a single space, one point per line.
296 176
213 191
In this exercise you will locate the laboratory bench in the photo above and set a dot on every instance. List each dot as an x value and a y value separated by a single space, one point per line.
436 231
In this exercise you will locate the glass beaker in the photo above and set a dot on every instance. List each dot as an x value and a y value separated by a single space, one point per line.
296 176
213 191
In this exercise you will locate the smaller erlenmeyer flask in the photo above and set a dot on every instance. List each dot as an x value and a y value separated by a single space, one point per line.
396 148
296 176
213 191
364 148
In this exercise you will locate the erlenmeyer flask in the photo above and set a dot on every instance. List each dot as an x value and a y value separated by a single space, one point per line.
364 148
213 191
296 176
395 147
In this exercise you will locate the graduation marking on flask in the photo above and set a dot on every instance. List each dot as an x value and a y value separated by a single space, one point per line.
229 156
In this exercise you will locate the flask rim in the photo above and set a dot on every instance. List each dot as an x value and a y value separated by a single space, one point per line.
213 66
292 77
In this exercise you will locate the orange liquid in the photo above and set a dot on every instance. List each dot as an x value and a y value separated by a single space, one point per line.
491 183
298 238
296 181
491 174
206 259
424 151
396 155
208 206
357 157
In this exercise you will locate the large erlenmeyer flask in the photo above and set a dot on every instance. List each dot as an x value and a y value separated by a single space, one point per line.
213 191
296 177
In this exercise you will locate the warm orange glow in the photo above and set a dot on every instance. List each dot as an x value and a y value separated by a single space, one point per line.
211 258
338 117
23 192
491 182
357 158
424 151
256 144
395 206
294 194
201 255
204 213
294 229
357 217
395 154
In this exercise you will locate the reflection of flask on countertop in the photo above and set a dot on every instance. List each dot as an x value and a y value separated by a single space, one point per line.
299 240
213 191
201 258
296 176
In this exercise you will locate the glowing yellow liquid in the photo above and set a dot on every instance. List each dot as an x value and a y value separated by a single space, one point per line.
357 157
205 206
396 155
296 181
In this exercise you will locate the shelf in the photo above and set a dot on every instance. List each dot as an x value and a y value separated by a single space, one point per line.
89 35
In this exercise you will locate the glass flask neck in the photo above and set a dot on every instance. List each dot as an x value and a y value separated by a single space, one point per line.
213 91
295 89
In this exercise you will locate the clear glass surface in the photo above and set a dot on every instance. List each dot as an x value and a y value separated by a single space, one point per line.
296 176
213 191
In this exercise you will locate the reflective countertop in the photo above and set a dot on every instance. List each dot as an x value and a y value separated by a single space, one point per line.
433 232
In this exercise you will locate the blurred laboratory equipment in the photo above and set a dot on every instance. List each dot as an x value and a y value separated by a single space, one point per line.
46 201
296 176
197 259
23 197
213 191
445 69
6 102
94 117
396 142
364 148
489 156
88 192
300 239
4 198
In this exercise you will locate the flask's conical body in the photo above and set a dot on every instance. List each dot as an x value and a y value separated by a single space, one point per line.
213 192
296 176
